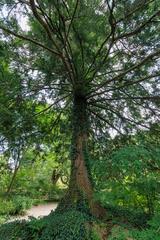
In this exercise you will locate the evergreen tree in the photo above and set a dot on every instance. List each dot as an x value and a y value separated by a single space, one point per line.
97 59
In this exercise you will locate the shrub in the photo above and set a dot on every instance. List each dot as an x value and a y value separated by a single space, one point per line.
21 204
6 207
15 205
3 219
124 215
153 232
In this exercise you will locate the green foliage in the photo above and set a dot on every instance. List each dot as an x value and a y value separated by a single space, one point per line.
152 232
15 205
21 204
71 225
94 235
3 219
129 169
123 215
6 207
119 233
12 230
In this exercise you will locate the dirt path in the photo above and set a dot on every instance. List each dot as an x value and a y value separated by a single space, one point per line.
38 211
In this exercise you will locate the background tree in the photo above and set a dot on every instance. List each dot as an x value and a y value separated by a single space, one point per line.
97 59
129 169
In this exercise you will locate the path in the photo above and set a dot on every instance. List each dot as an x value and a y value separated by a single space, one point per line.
38 211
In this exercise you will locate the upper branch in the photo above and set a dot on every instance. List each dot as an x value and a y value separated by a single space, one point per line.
29 40
121 75
139 28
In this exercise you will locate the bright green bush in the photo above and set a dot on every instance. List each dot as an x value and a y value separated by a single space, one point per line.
15 205
6 207
21 204
3 218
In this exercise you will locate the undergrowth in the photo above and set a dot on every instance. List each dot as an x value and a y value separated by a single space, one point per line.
71 225
152 232
75 225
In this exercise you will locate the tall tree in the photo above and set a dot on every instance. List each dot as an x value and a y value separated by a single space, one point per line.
98 59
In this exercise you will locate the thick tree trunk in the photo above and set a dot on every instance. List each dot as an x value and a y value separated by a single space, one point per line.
80 193
80 180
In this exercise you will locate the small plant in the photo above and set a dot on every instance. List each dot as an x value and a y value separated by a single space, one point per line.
15 205
6 207
21 204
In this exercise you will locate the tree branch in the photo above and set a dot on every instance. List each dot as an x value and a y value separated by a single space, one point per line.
135 66
22 37
138 29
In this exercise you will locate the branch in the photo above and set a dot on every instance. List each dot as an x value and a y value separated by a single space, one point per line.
134 10
104 120
49 107
41 21
114 39
134 82
111 109
72 18
138 65
46 27
66 45
77 35
138 29
22 37
127 98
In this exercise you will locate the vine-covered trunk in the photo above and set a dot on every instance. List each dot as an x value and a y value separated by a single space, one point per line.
80 182
80 193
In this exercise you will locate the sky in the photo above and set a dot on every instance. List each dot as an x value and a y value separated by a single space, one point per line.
22 19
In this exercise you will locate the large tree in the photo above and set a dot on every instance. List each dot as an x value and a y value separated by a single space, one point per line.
97 59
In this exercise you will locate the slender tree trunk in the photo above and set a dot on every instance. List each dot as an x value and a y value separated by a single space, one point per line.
17 165
80 193
12 180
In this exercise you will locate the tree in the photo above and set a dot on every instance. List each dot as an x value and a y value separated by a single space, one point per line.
133 176
97 59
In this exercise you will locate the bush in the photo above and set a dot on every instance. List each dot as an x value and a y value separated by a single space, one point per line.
153 232
6 207
15 205
55 193
21 204
3 219
133 218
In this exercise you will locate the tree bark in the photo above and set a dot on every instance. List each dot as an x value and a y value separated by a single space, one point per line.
80 179
80 192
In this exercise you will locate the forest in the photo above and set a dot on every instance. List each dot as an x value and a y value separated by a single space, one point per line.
80 119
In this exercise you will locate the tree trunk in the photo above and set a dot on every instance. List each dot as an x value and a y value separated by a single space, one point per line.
80 192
